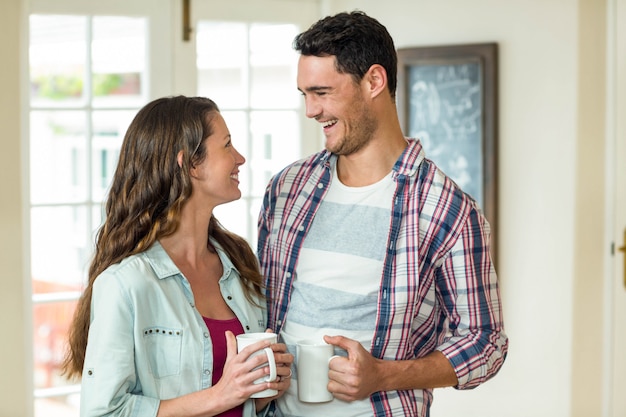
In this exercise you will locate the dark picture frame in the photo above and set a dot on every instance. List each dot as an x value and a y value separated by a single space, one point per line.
448 98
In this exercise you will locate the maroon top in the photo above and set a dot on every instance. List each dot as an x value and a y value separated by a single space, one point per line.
217 328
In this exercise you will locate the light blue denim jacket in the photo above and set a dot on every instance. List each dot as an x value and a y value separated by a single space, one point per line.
147 341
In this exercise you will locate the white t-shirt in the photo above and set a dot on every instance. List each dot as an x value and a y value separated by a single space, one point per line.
337 281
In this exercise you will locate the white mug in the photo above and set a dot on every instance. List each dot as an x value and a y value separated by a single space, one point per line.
246 339
312 362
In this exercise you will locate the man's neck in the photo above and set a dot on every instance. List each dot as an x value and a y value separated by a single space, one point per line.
370 164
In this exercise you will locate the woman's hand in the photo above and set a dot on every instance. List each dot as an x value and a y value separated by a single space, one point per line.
284 362
237 382
234 387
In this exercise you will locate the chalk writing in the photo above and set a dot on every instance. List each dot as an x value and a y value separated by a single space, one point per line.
445 114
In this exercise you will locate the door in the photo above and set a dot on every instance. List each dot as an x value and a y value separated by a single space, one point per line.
618 285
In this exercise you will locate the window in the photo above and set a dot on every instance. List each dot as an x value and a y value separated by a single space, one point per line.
87 80
89 74
252 78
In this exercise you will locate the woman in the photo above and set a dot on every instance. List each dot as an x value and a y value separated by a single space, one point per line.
169 287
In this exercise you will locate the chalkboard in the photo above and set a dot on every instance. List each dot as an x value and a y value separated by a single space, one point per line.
447 98
445 114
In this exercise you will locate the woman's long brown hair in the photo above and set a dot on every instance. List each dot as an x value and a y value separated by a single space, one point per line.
147 194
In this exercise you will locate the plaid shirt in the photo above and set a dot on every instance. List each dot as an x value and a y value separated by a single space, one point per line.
438 290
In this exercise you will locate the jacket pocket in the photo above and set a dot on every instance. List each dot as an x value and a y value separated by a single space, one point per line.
163 349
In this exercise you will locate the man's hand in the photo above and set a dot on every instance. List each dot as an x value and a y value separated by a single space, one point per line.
355 377
360 374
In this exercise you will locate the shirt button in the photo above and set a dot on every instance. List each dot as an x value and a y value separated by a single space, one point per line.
206 335
320 185
229 297
207 372
288 274
300 228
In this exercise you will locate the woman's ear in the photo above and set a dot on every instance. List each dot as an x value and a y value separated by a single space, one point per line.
179 159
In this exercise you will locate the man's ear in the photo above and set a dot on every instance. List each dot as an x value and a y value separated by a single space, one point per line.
376 78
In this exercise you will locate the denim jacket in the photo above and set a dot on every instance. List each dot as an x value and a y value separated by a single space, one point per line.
147 341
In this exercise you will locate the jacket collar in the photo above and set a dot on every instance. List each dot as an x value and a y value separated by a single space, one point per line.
164 267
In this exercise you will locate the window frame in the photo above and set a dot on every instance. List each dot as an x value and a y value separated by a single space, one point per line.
158 83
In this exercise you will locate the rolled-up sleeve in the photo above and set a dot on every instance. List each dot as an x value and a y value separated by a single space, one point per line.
476 344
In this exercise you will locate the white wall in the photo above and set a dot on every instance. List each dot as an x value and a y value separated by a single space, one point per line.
540 117
15 346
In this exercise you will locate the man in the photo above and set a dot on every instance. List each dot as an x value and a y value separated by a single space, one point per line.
368 246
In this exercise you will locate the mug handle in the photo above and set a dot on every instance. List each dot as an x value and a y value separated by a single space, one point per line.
272 363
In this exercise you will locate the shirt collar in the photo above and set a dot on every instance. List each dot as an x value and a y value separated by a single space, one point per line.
164 267
407 163
410 159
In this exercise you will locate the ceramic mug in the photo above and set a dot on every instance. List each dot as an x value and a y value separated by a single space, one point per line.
312 359
247 339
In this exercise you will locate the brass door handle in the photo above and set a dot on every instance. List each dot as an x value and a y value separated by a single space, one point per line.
623 250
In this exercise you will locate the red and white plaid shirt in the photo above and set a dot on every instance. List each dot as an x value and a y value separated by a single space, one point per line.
438 289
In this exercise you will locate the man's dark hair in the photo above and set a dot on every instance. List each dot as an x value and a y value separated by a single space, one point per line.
357 42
